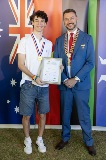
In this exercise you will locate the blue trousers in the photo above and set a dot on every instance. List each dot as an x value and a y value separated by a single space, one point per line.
81 98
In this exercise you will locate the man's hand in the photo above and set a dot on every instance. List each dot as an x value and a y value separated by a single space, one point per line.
70 83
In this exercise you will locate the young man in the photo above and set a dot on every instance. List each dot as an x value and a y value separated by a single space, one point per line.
77 52
30 51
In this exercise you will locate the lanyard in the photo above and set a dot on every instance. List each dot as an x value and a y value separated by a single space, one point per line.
37 49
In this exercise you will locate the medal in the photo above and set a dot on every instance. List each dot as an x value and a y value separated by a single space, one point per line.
68 55
39 58
69 61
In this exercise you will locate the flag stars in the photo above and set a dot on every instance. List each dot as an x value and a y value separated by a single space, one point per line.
8 101
103 76
13 82
103 61
16 109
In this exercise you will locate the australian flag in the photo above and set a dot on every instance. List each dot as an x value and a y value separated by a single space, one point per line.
14 24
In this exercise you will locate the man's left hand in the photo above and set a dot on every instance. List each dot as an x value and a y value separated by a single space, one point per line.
70 83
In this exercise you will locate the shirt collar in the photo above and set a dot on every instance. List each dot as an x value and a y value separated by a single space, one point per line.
42 40
72 32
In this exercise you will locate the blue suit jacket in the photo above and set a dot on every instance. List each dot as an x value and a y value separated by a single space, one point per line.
82 60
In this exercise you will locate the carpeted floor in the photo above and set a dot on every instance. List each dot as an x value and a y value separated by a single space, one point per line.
11 146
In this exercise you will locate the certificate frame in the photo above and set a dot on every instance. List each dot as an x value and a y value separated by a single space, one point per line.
50 71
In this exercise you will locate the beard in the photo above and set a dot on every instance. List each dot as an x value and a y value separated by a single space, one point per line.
71 28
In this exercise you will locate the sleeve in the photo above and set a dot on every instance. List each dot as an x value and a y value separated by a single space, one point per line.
90 60
21 46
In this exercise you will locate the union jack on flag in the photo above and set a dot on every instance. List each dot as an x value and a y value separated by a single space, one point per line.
21 13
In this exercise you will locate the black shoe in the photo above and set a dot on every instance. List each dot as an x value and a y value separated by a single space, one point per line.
91 150
61 145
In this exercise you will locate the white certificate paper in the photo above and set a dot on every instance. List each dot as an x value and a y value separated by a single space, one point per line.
50 70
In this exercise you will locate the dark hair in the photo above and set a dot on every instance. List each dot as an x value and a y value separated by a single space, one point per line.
40 14
68 11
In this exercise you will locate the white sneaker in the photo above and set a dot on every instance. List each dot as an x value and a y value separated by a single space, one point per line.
27 146
41 146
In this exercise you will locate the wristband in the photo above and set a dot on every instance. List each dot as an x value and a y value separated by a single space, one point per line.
34 77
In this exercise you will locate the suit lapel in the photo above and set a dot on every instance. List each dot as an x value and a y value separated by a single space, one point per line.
78 42
63 39
63 55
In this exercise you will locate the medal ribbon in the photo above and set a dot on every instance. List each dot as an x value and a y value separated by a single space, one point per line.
36 46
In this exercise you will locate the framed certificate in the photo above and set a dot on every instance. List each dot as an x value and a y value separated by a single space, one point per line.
50 71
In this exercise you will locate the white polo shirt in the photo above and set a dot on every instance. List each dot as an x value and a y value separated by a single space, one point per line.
27 47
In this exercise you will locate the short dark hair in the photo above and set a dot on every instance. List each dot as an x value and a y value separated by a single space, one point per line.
40 14
68 11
